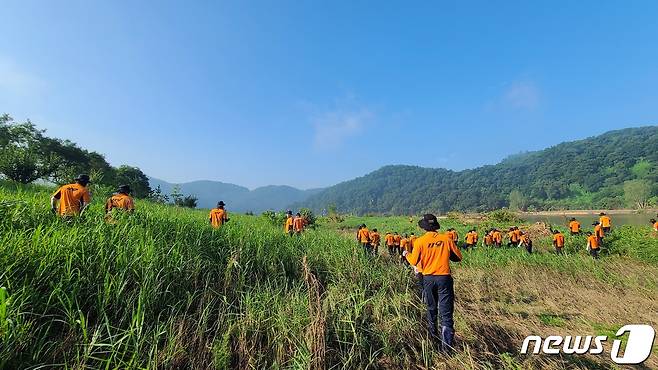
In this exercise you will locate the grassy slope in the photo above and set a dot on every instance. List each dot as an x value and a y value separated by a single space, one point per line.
163 289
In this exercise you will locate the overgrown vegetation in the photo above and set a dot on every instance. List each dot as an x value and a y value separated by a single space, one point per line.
162 289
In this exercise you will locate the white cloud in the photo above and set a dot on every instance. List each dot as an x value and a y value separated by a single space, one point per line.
522 95
332 128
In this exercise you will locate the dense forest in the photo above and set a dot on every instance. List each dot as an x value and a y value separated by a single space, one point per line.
615 170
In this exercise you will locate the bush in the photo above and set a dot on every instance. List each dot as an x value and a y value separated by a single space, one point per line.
504 216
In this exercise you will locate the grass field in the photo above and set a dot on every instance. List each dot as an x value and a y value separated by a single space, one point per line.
162 289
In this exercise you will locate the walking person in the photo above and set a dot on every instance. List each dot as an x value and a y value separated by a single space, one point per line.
364 239
288 225
593 246
218 216
606 222
574 226
72 199
375 240
120 200
434 252
558 241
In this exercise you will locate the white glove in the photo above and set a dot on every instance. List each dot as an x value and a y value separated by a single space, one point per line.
404 253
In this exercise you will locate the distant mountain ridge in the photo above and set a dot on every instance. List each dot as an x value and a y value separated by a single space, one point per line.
580 174
238 198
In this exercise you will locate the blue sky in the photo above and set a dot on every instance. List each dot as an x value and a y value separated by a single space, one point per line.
312 93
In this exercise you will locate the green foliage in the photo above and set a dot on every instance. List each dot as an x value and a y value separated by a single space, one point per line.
637 193
503 216
27 155
517 201
309 216
188 201
133 176
582 174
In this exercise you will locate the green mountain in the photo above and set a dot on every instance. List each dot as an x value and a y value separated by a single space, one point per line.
237 198
588 173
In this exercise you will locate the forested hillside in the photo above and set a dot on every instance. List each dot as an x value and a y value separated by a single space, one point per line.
614 170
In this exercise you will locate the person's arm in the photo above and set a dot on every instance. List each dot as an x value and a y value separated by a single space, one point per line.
455 253
414 257
53 204
131 205
108 205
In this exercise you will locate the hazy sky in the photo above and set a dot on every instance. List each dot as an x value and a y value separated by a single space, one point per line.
312 93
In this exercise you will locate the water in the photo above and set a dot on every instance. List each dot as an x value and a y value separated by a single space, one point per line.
587 219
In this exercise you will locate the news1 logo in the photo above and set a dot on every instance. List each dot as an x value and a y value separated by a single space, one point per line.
637 350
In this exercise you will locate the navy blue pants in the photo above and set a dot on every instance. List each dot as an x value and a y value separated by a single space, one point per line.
439 296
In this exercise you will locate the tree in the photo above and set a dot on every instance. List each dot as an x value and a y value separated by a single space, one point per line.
517 201
133 176
187 201
24 156
637 193
157 196
176 194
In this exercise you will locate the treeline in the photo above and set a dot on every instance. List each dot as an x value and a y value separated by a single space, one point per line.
615 170
27 154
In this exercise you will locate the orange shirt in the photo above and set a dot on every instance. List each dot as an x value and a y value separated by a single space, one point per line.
71 197
558 239
396 239
513 236
488 239
471 237
655 226
593 241
390 240
574 226
287 227
412 239
404 243
605 221
217 217
121 201
453 234
375 238
497 236
598 231
432 251
364 235
299 223
524 238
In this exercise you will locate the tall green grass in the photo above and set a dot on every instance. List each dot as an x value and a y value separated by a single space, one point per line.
162 289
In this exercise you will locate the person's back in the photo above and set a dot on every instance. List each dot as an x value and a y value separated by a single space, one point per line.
299 222
558 241
72 197
121 201
375 238
364 235
593 245
432 253
606 222
433 250
218 216
288 224
574 227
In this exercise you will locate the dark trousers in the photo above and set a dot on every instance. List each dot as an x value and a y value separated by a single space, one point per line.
594 253
558 250
439 296
396 249
528 247
366 248
606 229
391 250
467 245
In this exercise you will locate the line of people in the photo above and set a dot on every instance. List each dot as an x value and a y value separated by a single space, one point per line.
72 199
294 225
